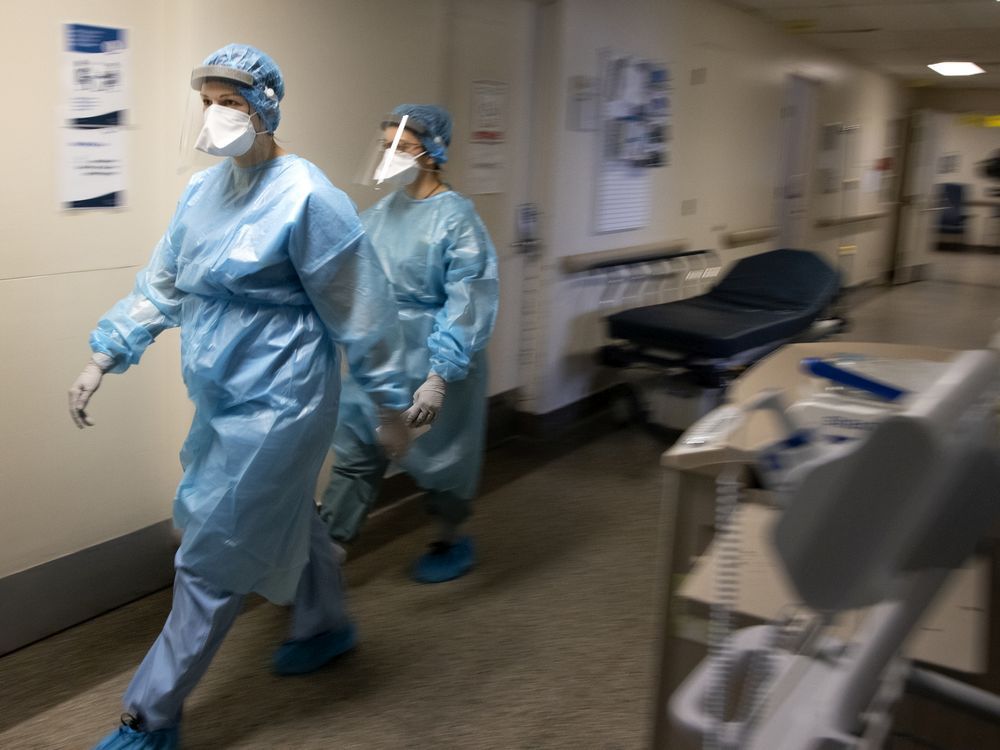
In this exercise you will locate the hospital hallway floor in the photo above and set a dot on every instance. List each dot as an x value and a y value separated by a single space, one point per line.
549 643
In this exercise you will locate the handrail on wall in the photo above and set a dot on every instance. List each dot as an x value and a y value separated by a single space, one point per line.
626 255
743 237
857 219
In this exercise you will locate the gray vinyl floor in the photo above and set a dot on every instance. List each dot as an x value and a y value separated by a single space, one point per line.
549 643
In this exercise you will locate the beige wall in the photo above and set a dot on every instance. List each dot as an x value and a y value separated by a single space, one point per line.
63 489
346 63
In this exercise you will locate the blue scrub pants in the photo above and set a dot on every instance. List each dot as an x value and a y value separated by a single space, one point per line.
354 484
202 615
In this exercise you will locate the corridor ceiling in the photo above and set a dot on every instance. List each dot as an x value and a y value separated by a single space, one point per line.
898 37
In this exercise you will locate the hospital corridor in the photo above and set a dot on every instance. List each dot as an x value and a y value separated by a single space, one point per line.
501 375
549 645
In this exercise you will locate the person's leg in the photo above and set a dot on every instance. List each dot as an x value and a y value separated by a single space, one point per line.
319 599
447 463
321 628
354 485
452 555
198 621
449 510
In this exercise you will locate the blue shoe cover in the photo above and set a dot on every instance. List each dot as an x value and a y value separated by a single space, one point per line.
126 738
445 562
301 657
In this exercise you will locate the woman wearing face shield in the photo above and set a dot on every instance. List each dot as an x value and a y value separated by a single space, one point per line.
443 270
266 269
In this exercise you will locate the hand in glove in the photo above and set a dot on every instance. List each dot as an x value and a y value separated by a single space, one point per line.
393 433
427 401
85 386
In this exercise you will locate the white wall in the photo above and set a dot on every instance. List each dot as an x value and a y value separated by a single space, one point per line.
726 152
346 63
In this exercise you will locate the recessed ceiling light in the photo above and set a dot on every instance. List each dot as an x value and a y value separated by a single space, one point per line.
956 68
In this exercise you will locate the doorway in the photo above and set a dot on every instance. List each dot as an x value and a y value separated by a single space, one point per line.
798 120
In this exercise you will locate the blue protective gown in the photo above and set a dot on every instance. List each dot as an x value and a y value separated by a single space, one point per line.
443 269
265 269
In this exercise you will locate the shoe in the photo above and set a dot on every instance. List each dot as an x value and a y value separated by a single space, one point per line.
445 561
129 737
308 655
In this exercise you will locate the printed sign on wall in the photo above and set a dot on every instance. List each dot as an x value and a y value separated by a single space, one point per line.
489 134
92 138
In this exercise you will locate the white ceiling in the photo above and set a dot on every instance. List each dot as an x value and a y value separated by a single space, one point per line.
898 37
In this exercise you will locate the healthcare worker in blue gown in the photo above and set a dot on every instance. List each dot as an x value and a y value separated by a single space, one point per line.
266 269
443 270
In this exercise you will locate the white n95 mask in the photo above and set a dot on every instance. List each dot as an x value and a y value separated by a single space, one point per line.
225 132
397 168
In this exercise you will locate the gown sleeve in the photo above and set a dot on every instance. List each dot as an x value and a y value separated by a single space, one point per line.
465 322
128 328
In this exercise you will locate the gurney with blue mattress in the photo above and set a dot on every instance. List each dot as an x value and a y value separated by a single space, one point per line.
763 302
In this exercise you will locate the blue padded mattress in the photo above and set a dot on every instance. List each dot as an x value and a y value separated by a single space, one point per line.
763 299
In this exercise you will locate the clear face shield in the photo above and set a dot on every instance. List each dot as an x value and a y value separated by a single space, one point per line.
391 161
230 132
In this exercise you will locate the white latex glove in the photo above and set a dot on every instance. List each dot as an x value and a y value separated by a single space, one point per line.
393 433
427 401
85 386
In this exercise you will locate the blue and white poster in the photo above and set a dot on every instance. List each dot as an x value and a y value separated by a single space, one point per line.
92 143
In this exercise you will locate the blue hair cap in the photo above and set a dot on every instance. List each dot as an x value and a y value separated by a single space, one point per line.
436 124
267 89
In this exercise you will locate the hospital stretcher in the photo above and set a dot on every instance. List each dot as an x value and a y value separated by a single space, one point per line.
762 302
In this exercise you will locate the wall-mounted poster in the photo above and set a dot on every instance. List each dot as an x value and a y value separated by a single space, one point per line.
92 138
488 141
635 136
582 107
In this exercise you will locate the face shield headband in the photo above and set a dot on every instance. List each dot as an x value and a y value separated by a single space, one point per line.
199 74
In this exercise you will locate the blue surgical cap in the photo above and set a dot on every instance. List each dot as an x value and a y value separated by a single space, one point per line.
435 124
263 87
